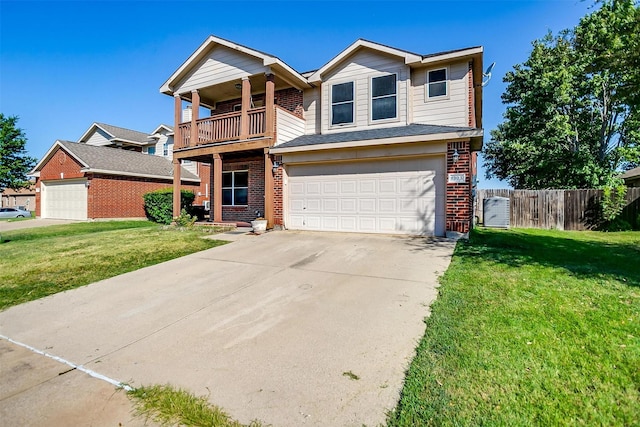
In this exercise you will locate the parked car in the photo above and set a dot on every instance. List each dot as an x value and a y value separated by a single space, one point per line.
14 213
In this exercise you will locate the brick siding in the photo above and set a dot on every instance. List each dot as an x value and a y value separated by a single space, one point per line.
278 196
255 166
458 198
289 99
113 196
108 196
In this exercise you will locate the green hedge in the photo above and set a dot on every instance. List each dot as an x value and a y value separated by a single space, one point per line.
158 205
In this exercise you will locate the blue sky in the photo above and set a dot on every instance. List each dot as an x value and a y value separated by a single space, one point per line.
65 65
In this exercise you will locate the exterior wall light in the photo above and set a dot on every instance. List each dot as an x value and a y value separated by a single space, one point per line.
455 156
275 167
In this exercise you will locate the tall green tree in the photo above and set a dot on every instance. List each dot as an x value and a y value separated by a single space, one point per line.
572 108
14 162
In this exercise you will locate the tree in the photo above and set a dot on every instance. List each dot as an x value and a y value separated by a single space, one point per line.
14 162
572 108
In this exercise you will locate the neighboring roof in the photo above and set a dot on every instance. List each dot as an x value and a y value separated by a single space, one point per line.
116 161
160 127
118 134
20 192
399 133
631 173
267 60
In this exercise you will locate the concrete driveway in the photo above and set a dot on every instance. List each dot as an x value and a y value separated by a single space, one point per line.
268 327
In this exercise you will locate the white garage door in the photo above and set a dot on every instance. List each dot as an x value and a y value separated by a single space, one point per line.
64 199
391 196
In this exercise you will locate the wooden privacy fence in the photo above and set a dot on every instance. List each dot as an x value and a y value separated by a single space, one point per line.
558 209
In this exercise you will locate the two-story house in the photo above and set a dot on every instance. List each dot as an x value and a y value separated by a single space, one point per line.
377 140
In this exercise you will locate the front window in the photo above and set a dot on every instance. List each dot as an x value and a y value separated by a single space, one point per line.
437 83
235 188
151 150
342 103
383 97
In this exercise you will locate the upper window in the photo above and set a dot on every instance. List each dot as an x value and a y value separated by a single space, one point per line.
235 188
165 149
437 83
342 103
384 98
151 150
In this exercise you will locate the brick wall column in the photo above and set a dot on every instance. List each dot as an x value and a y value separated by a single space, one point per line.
458 198
195 109
176 188
216 188
268 188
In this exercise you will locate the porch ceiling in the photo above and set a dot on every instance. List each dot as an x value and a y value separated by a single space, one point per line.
206 158
225 91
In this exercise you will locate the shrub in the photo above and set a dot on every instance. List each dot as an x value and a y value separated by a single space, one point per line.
158 205
185 220
613 200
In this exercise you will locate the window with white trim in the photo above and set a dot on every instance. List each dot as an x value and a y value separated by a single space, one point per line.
437 83
342 103
151 150
235 188
165 149
384 100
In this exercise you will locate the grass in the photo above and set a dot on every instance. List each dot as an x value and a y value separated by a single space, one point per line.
531 327
27 218
41 261
169 406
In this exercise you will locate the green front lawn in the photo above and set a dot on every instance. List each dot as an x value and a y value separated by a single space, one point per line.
531 327
42 261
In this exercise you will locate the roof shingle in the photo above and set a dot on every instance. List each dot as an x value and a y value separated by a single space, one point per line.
125 134
369 134
124 162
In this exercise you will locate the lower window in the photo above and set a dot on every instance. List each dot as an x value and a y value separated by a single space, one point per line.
235 188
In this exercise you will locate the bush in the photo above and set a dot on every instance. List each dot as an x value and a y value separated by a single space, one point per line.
158 205
185 220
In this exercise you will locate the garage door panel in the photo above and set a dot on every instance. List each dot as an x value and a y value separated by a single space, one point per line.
348 223
348 205
367 205
387 186
348 187
391 196
313 205
386 206
367 224
330 188
367 186
330 205
297 205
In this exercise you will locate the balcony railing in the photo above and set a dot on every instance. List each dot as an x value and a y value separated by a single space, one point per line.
223 128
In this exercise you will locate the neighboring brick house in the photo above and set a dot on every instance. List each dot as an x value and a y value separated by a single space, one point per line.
106 173
25 197
378 140
81 181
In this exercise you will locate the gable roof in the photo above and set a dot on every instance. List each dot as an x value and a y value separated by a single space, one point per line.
116 161
279 66
631 173
117 134
409 58
159 129
398 134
